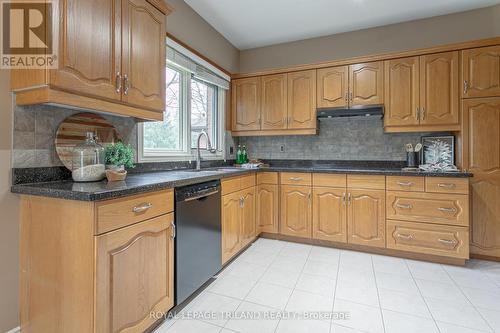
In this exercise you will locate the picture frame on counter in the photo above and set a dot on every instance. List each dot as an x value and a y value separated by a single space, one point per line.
438 150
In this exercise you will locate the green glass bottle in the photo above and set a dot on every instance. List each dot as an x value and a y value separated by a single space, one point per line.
239 155
244 155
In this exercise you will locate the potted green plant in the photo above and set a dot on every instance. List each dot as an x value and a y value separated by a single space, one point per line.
118 156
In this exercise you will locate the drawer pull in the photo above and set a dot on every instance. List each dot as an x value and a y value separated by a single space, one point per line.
446 185
447 209
404 206
142 208
174 230
295 179
404 236
405 183
447 241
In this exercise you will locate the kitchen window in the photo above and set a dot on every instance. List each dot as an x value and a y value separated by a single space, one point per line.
195 102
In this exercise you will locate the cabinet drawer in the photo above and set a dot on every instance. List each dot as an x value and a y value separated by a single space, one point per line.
428 238
366 182
404 183
295 178
447 185
329 180
267 178
118 213
248 181
435 208
235 184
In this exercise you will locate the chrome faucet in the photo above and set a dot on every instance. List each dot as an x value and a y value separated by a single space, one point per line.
209 148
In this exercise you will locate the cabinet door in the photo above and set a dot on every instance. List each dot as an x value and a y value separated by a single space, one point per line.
89 50
401 89
481 72
302 100
143 55
267 208
329 214
366 83
439 89
246 104
134 275
231 220
333 87
274 101
366 217
296 211
248 227
481 122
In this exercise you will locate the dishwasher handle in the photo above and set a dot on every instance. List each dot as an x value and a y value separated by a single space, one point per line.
201 196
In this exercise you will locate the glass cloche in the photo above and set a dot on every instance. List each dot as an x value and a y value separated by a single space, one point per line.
88 161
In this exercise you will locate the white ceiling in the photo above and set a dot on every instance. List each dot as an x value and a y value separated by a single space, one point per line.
254 23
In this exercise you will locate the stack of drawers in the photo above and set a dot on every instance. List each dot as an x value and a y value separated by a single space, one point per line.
428 215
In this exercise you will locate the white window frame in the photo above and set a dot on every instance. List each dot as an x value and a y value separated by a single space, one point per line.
186 153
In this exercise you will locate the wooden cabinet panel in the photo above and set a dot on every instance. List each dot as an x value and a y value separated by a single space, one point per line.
447 185
237 183
329 214
366 217
366 83
89 54
267 208
329 180
302 100
295 217
401 92
274 102
436 208
405 183
333 87
135 275
481 130
231 224
366 182
481 72
439 84
246 103
248 227
267 178
143 48
295 178
428 238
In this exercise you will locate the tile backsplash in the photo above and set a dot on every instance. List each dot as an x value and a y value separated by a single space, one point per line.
359 138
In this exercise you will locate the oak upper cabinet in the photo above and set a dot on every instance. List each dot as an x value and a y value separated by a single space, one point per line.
248 226
246 104
329 214
89 54
143 45
302 100
333 87
402 92
267 213
111 58
366 83
481 131
366 217
439 84
274 110
481 72
231 225
134 275
296 206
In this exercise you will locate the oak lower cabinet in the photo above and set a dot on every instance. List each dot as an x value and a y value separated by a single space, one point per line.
231 225
366 217
97 267
329 214
248 226
267 213
296 209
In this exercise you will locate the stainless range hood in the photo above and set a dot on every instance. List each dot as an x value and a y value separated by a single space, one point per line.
353 111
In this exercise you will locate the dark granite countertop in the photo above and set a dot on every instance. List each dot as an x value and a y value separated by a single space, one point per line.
154 181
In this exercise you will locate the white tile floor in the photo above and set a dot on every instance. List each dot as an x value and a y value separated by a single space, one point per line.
380 294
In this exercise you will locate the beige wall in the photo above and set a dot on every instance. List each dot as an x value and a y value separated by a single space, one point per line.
9 220
191 29
475 24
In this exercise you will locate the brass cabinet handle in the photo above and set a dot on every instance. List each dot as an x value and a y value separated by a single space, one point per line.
343 198
404 236
404 206
447 209
142 207
466 86
447 241
126 84
242 202
118 83
347 97
309 196
423 113
405 183
446 185
350 96
417 113
174 230
349 198
295 179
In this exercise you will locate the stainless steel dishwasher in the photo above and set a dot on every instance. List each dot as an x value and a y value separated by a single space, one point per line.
198 248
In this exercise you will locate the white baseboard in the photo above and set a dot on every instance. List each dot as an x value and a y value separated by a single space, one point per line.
14 330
